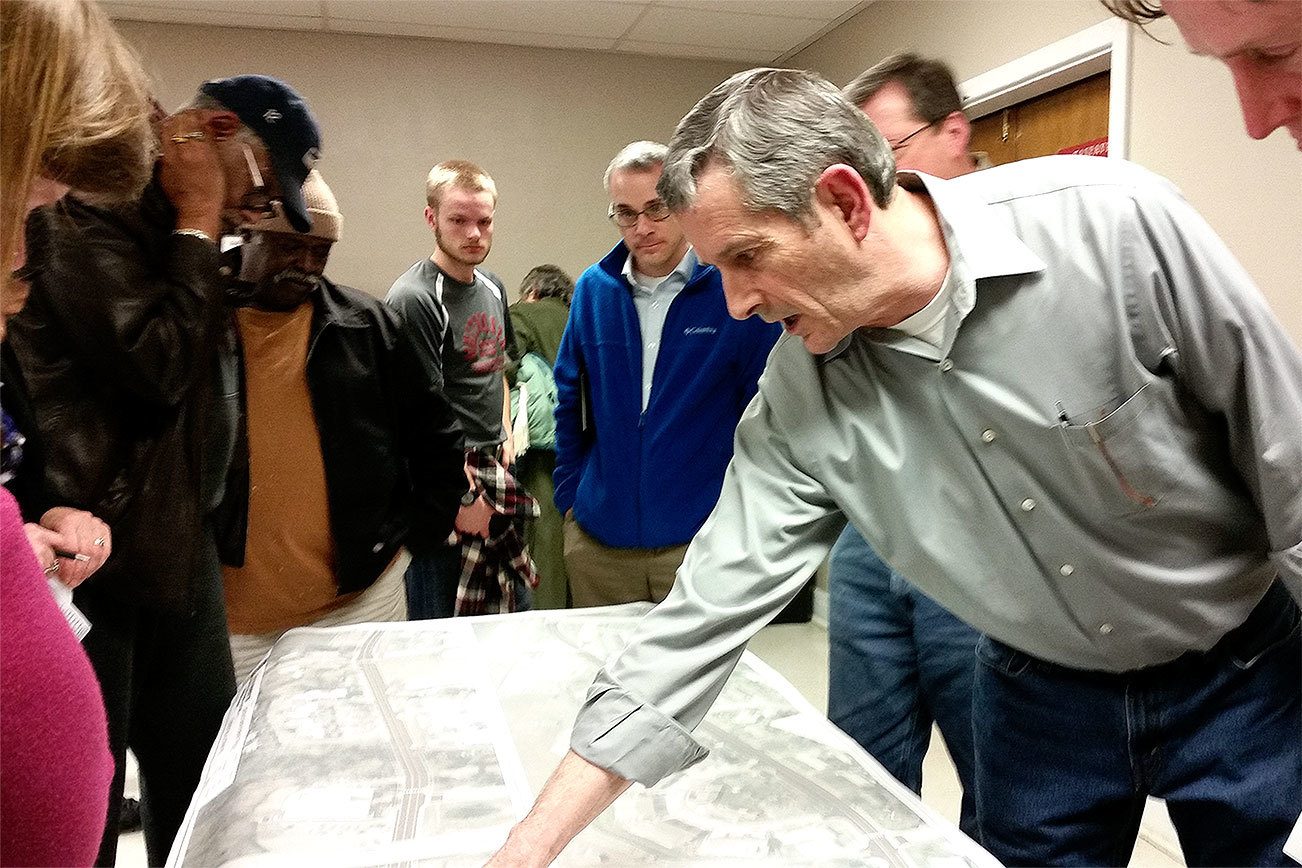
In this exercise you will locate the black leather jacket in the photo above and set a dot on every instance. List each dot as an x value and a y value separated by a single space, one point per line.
119 346
389 442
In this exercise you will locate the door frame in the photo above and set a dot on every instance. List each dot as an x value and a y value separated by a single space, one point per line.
1104 46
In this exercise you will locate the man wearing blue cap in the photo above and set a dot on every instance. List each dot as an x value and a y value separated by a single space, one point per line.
126 350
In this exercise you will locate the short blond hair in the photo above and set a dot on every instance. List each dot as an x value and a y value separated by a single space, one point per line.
75 108
457 173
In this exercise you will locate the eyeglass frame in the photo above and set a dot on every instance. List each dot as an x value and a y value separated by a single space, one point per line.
896 146
611 211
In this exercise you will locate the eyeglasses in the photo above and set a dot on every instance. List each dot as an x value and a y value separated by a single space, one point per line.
896 146
257 200
626 218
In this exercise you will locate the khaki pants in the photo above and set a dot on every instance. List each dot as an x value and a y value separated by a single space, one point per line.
604 576
386 600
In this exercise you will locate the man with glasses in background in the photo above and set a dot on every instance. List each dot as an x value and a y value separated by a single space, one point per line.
915 104
899 661
652 377
125 348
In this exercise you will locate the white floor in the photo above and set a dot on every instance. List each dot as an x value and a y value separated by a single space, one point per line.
799 652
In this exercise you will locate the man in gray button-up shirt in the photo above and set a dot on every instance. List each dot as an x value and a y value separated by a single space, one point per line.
1101 469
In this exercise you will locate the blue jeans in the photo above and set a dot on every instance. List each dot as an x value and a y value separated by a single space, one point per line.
432 578
898 661
1065 757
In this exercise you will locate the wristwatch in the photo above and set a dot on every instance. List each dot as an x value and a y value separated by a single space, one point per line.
469 497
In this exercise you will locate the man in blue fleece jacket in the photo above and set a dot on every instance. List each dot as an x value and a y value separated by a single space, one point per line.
652 377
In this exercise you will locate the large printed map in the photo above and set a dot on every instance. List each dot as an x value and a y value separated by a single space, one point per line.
421 743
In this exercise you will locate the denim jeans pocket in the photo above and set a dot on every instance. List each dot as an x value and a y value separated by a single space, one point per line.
998 656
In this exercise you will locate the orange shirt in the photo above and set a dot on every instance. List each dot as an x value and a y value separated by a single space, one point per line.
288 577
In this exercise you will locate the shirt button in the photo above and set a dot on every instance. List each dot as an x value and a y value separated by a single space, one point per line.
1105 629
1028 504
377 547
947 365
1066 569
988 435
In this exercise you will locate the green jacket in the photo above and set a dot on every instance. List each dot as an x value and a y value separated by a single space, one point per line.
538 328
533 371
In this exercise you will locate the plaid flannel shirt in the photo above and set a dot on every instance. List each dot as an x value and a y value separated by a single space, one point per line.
490 567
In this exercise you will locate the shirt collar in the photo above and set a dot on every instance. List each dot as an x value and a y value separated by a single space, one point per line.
974 233
683 272
980 243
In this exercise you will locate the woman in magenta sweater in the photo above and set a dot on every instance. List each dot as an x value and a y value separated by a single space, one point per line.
54 759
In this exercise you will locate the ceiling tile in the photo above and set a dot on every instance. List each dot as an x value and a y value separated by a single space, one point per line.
731 29
290 8
826 10
738 30
220 15
469 34
665 49
573 17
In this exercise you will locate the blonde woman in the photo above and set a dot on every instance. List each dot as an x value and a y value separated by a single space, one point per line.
76 116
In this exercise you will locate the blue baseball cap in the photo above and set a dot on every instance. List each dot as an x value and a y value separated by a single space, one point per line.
281 119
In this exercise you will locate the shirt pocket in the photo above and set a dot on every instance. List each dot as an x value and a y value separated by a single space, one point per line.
1125 460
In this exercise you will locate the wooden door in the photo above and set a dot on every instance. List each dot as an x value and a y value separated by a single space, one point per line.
1046 124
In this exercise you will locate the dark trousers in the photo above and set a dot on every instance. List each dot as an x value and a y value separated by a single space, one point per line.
1065 758
167 681
432 578
897 661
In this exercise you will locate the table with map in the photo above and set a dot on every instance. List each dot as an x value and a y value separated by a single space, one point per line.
421 743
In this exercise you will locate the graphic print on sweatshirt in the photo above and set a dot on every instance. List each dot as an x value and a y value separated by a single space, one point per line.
483 343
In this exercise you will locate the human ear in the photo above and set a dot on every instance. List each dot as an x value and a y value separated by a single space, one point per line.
842 190
957 130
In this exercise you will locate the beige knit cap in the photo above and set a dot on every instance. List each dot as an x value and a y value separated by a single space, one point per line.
321 206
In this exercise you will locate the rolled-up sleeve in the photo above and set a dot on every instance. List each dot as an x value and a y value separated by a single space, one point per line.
772 526
621 732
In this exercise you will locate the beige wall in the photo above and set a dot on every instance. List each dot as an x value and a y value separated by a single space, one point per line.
972 37
1184 119
543 122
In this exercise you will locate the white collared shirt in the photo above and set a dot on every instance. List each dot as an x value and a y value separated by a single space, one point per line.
652 297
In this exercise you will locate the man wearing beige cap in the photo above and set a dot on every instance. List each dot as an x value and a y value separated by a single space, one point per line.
345 449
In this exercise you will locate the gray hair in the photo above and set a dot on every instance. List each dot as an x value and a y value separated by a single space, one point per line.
637 157
776 130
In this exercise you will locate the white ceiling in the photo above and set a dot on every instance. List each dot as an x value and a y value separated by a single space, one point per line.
748 31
